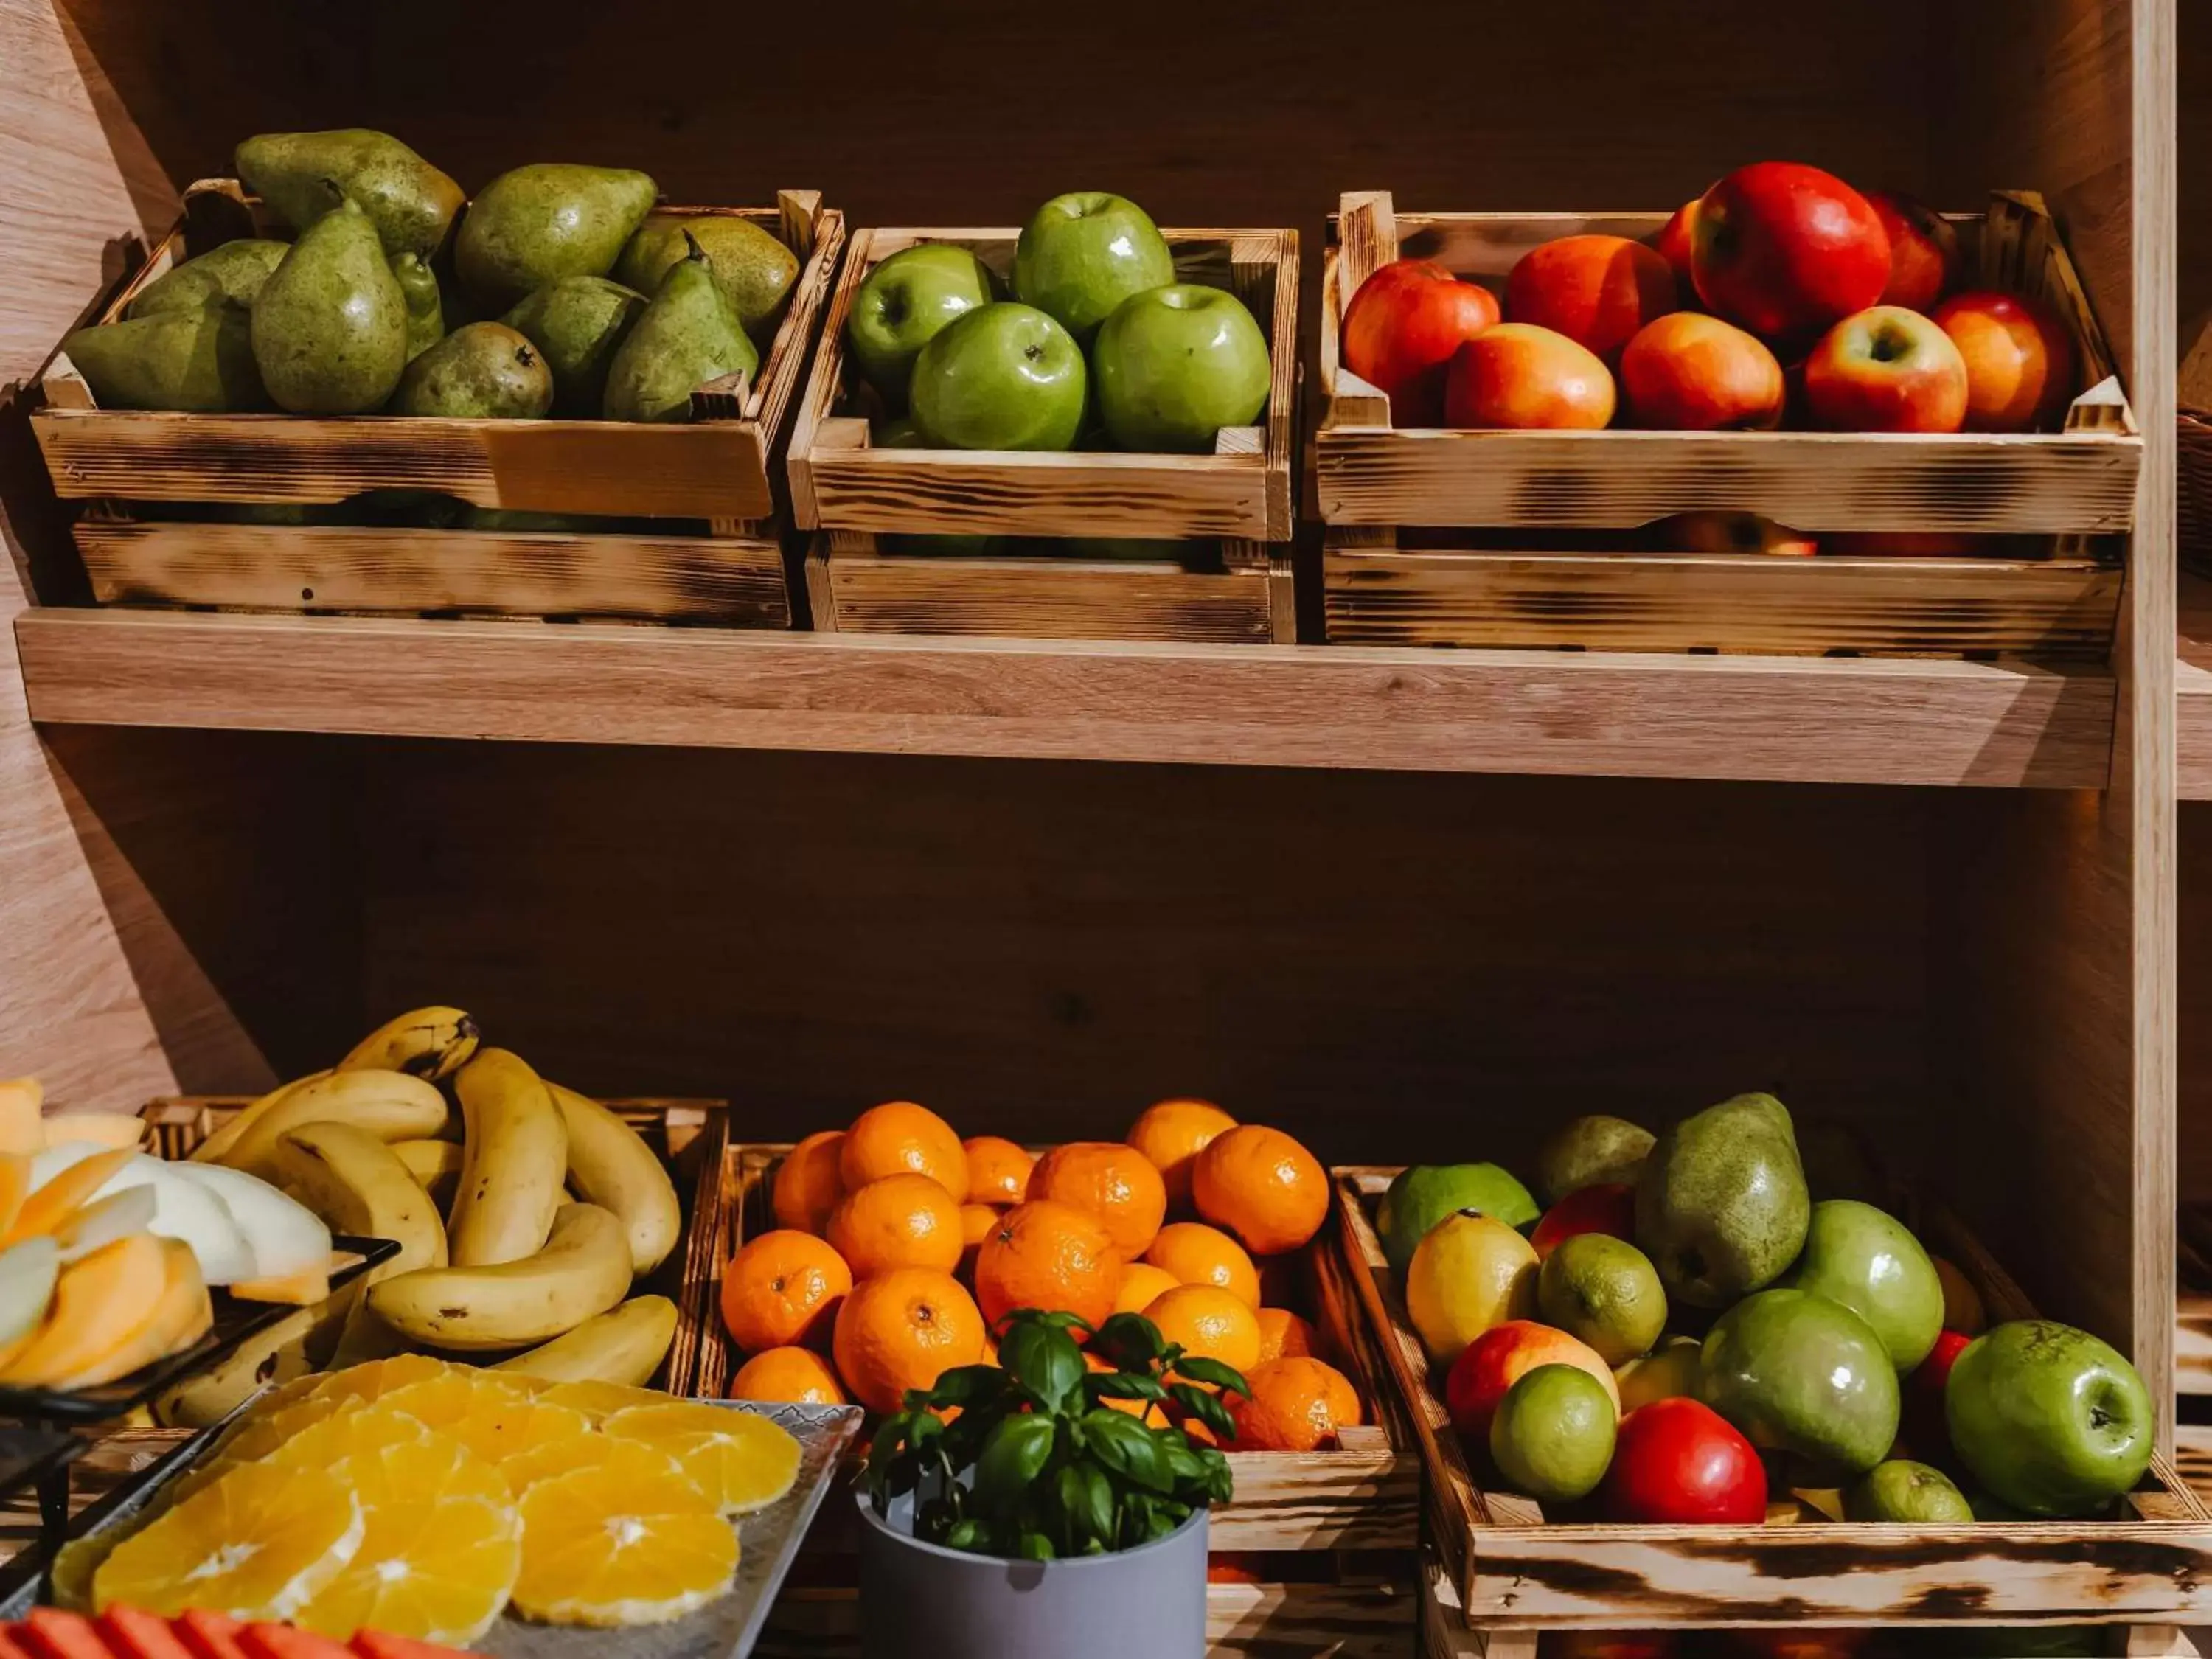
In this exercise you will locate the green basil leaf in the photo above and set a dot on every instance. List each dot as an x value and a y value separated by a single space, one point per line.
969 1534
1124 1385
1043 1358
1032 1546
1124 1447
1128 1342
1215 1374
1012 1458
1206 1407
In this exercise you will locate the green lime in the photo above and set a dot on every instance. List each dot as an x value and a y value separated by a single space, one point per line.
1553 1435
1901 1490
1606 1292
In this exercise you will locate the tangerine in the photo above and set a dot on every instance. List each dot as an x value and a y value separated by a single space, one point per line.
782 1288
1172 1134
900 1137
998 1170
1048 1256
1142 1285
807 1183
1112 1180
1284 1336
902 1330
1297 1404
1263 1187
1211 1322
905 1220
1196 1254
796 1376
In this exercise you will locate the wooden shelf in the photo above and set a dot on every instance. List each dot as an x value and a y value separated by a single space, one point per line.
1807 720
2192 691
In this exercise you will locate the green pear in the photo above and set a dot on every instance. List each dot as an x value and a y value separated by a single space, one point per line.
330 325
537 224
426 316
304 175
1590 1151
754 270
235 270
484 371
576 323
197 360
1720 1204
688 334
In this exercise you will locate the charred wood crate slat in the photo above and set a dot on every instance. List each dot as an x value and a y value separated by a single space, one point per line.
1228 582
156 482
689 1136
1454 538
1512 1573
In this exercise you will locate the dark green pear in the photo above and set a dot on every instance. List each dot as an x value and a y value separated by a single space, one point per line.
197 359
330 325
689 334
484 371
576 323
755 269
235 270
1721 1204
538 223
304 175
426 314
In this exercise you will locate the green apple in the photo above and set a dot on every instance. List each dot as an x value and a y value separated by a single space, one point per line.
1004 376
1420 1197
2049 1418
1798 1373
896 432
1082 254
1868 1260
1176 364
903 302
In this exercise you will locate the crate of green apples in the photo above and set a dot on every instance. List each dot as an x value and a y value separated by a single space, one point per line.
1708 1379
337 385
1079 429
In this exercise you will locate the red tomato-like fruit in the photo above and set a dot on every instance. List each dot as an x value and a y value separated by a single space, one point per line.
1607 1207
1925 1430
1403 328
1785 251
1679 1460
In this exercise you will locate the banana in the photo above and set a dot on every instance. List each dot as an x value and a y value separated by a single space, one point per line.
583 1270
216 1147
431 1042
293 1346
390 1105
624 1345
435 1165
611 1165
355 1183
515 1156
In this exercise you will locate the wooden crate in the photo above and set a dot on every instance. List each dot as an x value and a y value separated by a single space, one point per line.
1514 1574
1374 484
690 1136
719 468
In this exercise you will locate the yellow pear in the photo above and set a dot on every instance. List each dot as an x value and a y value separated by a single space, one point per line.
1469 1272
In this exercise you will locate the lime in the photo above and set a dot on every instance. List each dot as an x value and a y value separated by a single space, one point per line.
1606 1292
1553 1435
1900 1490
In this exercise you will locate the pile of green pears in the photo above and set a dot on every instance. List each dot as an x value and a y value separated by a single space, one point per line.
566 293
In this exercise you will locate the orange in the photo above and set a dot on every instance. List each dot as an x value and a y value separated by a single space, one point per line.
1199 1255
610 1547
807 1185
1209 1323
1284 1336
1142 1285
1235 1567
1262 1186
261 1542
903 1330
1112 1180
1147 1413
998 1170
798 1376
1172 1134
744 1461
902 1221
783 1288
976 1221
1297 1405
900 1137
1048 1256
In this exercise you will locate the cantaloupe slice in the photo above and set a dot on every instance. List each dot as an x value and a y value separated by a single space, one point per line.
14 1188
188 1209
101 1303
20 1131
101 1128
28 1272
51 1204
101 1223
182 1317
302 1289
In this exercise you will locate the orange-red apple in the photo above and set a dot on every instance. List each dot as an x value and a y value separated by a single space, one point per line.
2019 358
1713 531
1596 290
1787 250
1887 369
1516 374
1501 1357
1402 328
1607 1207
1674 244
1689 372
1923 250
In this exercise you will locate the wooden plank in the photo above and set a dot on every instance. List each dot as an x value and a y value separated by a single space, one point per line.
1646 716
2192 688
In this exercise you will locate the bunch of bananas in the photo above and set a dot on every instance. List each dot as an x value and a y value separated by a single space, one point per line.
522 1217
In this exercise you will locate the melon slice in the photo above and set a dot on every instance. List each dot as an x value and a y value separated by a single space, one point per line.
28 1272
182 1317
14 1188
100 1128
20 1131
100 1305
47 1162
104 1220
189 1210
302 1289
285 1236
53 1201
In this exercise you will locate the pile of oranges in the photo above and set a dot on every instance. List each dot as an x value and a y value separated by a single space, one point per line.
899 1248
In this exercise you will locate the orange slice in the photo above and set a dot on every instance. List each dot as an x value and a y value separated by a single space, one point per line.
742 1460
600 1400
255 1438
379 1377
350 1432
259 1543
447 1402
605 1549
515 1427
630 1458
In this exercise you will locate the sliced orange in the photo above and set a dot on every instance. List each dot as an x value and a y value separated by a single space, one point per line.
350 1432
257 1436
603 1548
446 1402
742 1460
516 1426
259 1543
630 1458
379 1377
440 1551
600 1400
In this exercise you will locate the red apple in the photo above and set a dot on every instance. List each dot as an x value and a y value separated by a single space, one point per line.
1901 543
1679 1460
1673 244
1596 290
1516 374
1402 328
1607 1207
1786 250
2019 358
1713 531
1499 1358
1925 1426
1788 1643
1923 250
1689 372
1886 369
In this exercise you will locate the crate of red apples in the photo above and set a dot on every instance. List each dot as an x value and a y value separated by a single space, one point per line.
1788 418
